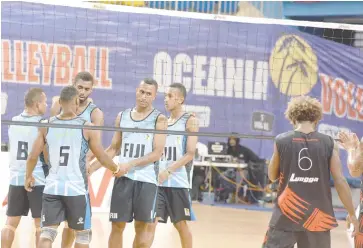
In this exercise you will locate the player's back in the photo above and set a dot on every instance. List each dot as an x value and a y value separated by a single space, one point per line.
67 149
304 196
175 149
136 145
21 139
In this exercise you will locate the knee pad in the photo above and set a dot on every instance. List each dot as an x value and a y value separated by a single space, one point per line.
11 228
84 237
49 233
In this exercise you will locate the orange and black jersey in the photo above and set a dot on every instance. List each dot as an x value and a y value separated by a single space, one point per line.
304 200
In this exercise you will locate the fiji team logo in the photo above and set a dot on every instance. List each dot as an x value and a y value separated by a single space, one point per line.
293 66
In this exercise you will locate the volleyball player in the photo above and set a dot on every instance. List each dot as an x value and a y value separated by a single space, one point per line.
65 194
175 178
350 142
87 109
134 195
302 161
21 139
91 113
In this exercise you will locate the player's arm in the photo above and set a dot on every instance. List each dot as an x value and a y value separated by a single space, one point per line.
350 142
192 126
340 182
97 118
159 144
37 149
274 165
55 108
94 141
355 160
112 149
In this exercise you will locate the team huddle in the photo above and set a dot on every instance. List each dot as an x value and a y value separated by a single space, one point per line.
50 166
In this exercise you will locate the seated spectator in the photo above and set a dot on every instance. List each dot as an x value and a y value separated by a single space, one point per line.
241 152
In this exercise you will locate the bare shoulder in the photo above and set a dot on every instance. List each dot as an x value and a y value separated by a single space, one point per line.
97 111
118 119
162 118
193 124
43 130
97 117
162 122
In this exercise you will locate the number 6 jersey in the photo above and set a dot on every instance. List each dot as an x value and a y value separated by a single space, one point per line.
21 139
304 201
67 149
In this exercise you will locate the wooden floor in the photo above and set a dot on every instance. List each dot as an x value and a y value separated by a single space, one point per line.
215 227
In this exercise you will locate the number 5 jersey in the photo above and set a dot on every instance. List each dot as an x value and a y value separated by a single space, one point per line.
67 149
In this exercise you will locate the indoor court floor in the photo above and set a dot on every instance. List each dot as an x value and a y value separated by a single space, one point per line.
216 227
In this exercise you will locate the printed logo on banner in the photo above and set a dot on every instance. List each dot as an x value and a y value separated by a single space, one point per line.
262 121
293 66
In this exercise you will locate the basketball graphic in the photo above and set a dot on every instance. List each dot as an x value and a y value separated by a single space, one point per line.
293 66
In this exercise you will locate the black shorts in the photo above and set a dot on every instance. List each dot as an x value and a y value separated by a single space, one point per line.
174 203
20 201
133 200
276 238
76 210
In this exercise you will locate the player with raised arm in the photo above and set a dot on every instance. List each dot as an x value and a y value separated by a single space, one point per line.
302 161
21 139
88 111
134 195
351 144
176 166
65 194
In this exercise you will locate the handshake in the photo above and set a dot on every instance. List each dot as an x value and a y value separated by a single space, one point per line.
121 170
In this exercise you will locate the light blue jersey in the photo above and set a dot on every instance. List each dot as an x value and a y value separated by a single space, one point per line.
87 112
136 145
67 149
21 139
175 149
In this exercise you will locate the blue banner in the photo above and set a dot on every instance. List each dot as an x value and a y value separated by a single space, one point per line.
238 76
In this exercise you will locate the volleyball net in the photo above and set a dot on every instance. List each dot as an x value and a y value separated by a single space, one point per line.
239 72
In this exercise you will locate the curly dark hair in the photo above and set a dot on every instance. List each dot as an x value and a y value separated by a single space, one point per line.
304 108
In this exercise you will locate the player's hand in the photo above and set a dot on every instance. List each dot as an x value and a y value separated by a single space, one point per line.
90 170
29 184
347 221
355 222
124 168
163 176
348 140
